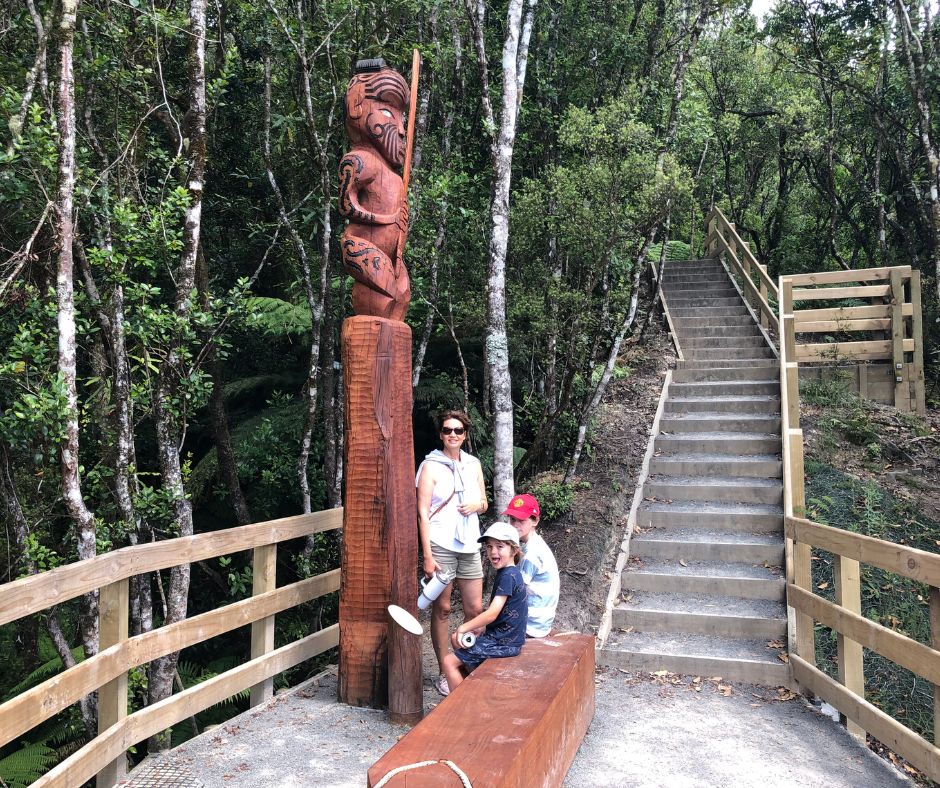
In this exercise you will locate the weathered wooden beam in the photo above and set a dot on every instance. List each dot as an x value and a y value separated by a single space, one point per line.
842 277
514 722
37 592
36 705
901 559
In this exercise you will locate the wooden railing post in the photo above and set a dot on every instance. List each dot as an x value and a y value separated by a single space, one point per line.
917 333
935 643
764 321
113 613
264 578
847 575
801 572
902 397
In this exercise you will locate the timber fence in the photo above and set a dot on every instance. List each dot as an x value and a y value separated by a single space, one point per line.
107 672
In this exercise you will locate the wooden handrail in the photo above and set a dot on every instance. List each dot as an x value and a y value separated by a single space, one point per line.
37 592
113 742
722 239
107 671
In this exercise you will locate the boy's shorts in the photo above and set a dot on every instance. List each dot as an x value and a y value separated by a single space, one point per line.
485 648
464 566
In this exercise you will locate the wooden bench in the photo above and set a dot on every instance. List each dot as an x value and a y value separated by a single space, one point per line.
514 723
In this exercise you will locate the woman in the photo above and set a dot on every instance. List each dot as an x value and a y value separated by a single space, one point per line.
451 496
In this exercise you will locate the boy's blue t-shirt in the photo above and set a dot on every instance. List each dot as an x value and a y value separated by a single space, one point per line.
509 628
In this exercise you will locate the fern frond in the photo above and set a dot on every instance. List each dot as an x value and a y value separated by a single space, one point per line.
277 317
26 765
45 671
242 387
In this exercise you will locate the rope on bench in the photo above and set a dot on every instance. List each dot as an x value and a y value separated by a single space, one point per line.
449 764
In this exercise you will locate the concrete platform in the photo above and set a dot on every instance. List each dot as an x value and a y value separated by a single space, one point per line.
645 733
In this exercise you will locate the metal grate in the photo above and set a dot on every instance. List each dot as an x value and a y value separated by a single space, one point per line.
162 774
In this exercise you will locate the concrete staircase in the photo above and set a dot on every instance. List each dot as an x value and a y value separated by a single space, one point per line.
703 590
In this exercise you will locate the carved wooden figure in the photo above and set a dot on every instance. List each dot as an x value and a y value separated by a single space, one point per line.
379 664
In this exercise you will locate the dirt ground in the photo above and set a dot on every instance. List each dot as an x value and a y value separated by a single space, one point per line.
906 461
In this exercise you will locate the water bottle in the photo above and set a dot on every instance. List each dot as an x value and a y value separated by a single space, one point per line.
467 639
431 588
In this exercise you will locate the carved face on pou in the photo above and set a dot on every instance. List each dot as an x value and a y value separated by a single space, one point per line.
375 107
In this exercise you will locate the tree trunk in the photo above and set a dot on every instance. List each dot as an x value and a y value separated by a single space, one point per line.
82 518
170 426
497 343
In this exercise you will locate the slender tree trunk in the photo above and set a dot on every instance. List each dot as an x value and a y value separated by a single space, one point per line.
170 425
497 343
82 518
36 74
16 517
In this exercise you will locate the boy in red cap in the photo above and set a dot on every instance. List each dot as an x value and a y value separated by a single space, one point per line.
538 567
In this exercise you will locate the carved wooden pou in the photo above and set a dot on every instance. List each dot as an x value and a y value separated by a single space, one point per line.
380 664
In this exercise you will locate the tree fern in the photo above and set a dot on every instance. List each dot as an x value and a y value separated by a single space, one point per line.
277 317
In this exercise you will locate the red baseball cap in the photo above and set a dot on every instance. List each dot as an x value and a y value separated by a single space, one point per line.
522 507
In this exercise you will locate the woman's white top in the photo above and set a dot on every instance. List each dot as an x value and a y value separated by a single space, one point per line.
448 527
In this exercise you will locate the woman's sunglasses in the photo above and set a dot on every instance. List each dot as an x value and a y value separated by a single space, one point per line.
455 430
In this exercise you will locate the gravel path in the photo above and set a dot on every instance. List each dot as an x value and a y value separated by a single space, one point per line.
647 731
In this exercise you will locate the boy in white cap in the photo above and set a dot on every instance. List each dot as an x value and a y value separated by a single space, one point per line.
539 568
504 619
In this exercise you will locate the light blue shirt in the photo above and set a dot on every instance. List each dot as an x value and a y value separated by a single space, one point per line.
540 572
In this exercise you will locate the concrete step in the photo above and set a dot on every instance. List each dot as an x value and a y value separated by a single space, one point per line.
724 404
727 339
704 273
767 466
712 322
711 516
717 578
719 422
718 355
726 616
728 364
708 311
731 489
732 659
725 388
707 545
684 302
712 442
710 374
704 289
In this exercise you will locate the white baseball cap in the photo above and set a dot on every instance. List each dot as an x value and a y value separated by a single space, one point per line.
504 532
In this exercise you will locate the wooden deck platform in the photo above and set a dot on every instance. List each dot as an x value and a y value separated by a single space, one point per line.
514 723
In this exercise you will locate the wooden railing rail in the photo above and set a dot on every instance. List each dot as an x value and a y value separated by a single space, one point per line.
855 632
107 671
843 615
759 289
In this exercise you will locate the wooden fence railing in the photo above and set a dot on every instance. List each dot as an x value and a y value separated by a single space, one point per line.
759 289
107 671
844 616
883 301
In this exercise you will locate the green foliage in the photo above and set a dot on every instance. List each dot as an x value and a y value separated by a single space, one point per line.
24 766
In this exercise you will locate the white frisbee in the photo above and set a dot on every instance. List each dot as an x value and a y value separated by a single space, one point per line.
405 620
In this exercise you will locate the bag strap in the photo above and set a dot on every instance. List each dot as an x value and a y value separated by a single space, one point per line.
438 509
